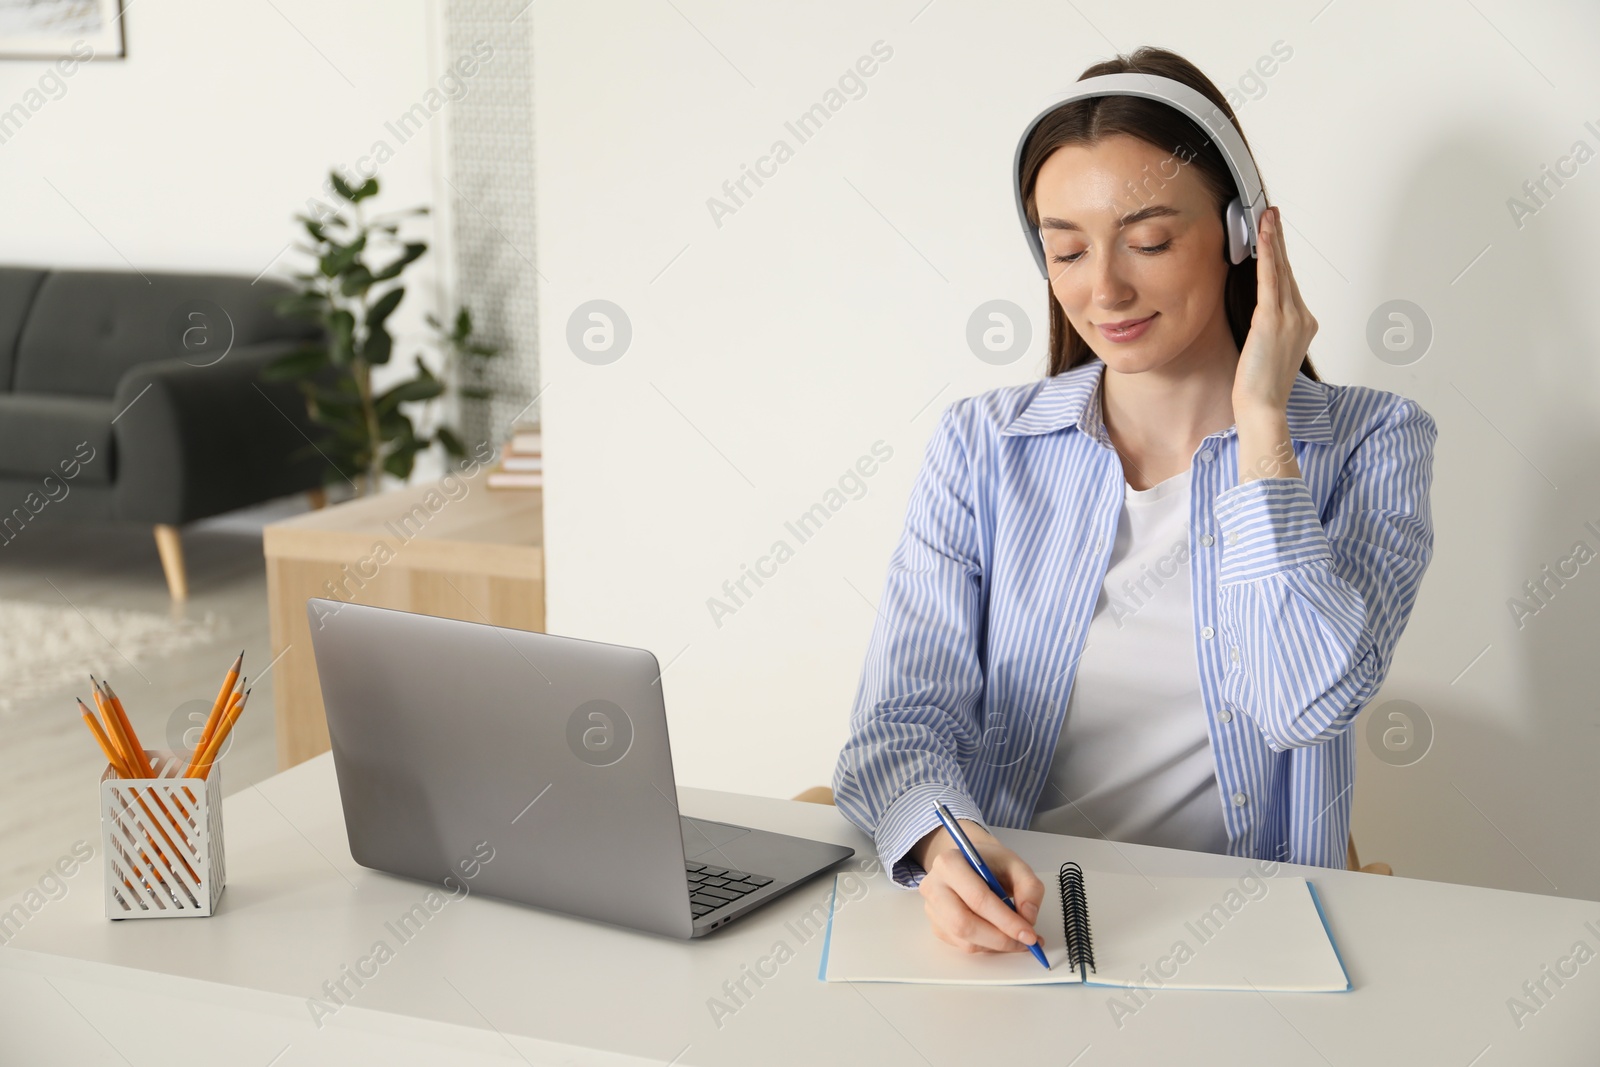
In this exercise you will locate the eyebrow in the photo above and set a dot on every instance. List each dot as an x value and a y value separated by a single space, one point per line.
1153 211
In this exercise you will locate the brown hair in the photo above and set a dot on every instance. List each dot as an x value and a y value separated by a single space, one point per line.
1087 122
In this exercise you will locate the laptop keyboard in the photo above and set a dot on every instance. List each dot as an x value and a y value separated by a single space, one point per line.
713 887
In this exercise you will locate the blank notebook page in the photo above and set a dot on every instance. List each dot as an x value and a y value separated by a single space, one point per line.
1178 933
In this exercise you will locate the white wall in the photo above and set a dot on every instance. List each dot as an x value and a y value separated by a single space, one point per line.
195 152
829 312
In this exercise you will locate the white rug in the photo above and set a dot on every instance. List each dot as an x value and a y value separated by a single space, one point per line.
45 647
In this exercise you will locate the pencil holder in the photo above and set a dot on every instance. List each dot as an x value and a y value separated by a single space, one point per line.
162 841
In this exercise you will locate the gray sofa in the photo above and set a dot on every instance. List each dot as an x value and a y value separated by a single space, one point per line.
138 396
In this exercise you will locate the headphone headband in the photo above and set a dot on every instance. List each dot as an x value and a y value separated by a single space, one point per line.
1243 216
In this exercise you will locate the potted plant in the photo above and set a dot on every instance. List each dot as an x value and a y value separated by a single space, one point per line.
353 289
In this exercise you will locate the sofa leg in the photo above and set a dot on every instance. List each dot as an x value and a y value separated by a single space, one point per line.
170 547
318 498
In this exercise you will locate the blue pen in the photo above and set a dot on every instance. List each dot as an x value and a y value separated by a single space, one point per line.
976 861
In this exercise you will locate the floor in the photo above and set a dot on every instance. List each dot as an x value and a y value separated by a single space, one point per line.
50 798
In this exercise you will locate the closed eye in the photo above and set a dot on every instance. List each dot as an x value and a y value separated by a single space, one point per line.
1149 250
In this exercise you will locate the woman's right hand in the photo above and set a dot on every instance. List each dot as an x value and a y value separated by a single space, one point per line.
961 907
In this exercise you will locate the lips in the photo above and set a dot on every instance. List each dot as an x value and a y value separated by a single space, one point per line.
1128 329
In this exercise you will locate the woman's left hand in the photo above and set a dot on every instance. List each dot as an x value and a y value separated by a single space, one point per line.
1280 330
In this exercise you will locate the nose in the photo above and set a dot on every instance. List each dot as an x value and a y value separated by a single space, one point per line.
1108 289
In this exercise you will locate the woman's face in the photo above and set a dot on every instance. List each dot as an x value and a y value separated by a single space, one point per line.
1131 233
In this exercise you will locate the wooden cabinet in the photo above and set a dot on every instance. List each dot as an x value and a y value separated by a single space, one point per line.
452 548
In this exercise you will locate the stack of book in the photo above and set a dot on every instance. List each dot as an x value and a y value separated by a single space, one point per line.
521 463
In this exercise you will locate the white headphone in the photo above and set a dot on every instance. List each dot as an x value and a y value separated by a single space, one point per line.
1242 220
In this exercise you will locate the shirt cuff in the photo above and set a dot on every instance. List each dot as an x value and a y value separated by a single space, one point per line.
909 819
1268 525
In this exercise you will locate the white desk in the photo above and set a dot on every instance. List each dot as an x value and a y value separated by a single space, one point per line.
484 981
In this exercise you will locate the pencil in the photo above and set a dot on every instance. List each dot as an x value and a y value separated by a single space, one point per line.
220 738
117 764
113 727
212 744
161 829
139 759
120 731
100 738
115 760
203 768
219 707
138 763
214 720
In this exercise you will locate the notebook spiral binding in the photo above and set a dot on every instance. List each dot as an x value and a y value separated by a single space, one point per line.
1075 920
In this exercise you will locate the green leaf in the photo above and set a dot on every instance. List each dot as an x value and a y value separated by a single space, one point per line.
400 461
408 392
342 388
353 434
384 306
338 404
325 218
341 339
392 218
378 345
368 188
357 280
296 364
305 304
341 186
339 260
452 444
463 324
473 393
393 425
413 251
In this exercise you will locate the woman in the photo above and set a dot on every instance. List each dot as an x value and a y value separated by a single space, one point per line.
1145 598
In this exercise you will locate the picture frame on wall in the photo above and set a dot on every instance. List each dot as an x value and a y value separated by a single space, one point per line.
56 29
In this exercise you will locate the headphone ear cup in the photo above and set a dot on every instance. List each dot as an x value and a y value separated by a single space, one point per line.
1238 231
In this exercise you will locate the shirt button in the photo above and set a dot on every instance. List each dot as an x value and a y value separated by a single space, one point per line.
1224 715
1098 542
1205 455
1205 539
1208 633
1234 653
1239 800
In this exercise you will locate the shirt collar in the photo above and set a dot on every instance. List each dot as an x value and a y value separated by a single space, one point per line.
1072 397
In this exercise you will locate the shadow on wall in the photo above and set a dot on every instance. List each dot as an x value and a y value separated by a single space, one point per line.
1506 794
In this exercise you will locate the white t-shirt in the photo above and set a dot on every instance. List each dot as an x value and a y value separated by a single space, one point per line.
1134 757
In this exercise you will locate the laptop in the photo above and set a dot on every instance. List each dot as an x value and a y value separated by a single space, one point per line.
455 741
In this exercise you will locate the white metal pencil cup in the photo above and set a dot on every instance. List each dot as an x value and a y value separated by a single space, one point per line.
162 841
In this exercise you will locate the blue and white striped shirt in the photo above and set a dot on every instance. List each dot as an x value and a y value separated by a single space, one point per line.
1301 588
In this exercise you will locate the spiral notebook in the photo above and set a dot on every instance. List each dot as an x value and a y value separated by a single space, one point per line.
1101 928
